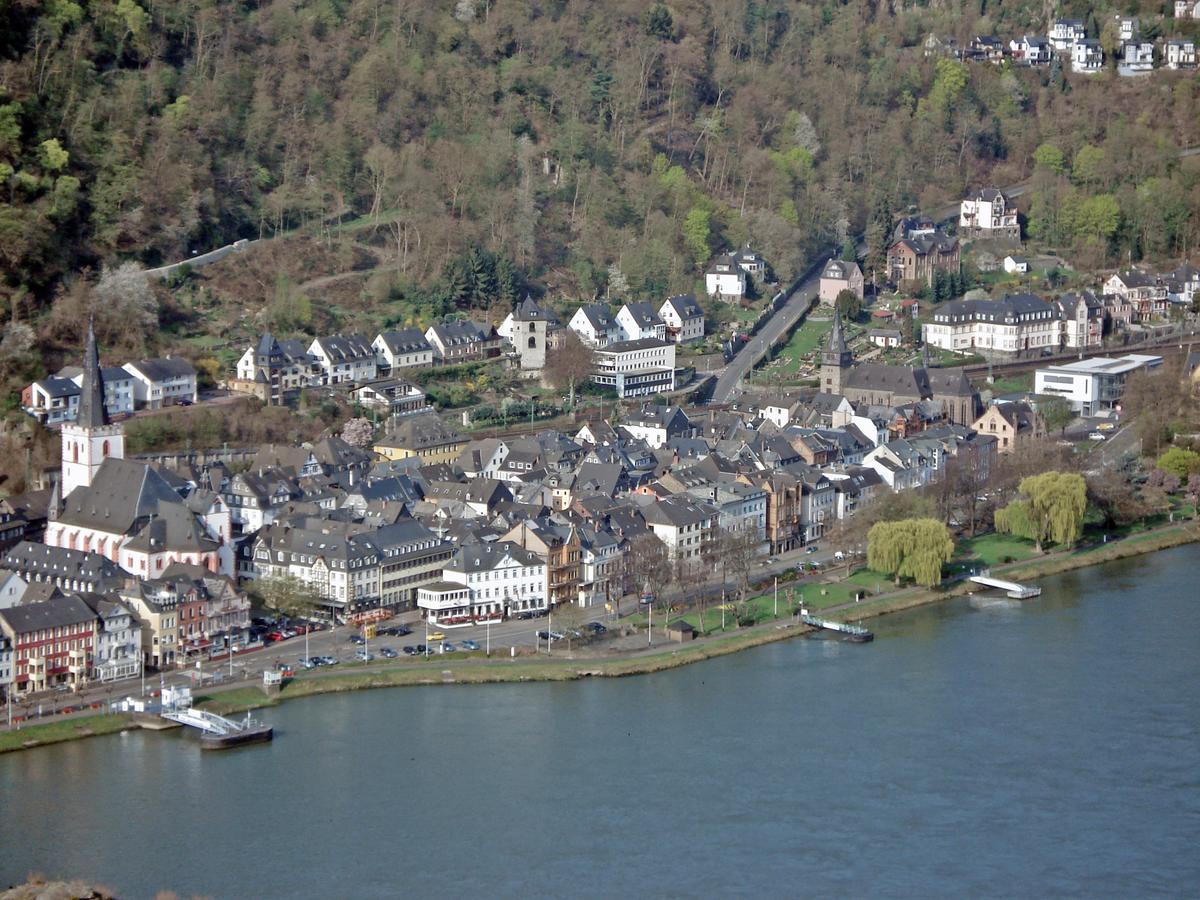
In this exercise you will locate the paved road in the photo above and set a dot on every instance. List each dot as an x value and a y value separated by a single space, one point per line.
788 315
802 296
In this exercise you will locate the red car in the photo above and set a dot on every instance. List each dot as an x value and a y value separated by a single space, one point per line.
275 636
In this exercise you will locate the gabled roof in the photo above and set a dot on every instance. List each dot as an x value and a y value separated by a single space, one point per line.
121 493
598 316
162 369
56 612
345 347
685 307
407 340
644 315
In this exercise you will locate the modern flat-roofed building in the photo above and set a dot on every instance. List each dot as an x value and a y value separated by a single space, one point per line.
636 368
1092 385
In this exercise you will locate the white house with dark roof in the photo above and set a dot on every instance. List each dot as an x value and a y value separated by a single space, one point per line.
404 349
1187 9
639 321
1065 33
276 370
500 578
162 382
462 341
1179 53
725 278
1082 316
1014 324
1135 58
683 524
987 214
344 358
1087 57
684 319
1031 50
595 325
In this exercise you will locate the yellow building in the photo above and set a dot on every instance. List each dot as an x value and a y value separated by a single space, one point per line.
423 436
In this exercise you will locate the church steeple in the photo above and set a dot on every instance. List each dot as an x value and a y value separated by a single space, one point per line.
836 358
91 438
91 397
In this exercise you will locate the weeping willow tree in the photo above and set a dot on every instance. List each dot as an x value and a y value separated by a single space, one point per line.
1051 507
910 548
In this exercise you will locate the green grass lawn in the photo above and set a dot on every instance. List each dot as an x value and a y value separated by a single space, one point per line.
804 340
1012 384
993 549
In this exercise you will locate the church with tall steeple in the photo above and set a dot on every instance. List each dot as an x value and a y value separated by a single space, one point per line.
91 438
123 509
875 384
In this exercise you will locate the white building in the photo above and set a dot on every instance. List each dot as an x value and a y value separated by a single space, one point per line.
162 382
1136 58
595 325
639 321
1016 265
1082 318
657 424
1015 324
1187 9
527 330
1065 33
344 358
404 349
1180 53
636 368
684 319
117 648
725 278
684 525
1031 50
500 579
1087 57
1092 385
987 214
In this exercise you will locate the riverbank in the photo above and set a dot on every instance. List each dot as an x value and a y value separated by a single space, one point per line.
476 670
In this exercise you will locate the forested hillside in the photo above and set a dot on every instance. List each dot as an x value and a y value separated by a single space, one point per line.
575 145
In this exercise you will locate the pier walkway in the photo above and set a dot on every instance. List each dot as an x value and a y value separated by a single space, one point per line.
1014 590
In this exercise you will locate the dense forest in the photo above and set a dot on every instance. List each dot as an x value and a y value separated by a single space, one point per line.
582 148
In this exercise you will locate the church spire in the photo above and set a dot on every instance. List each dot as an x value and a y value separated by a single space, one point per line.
91 391
836 359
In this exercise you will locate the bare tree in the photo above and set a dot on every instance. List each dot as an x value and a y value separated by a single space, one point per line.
569 363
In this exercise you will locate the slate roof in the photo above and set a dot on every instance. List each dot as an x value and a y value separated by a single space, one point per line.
53 613
685 307
163 369
598 316
407 340
31 559
644 315
91 391
529 311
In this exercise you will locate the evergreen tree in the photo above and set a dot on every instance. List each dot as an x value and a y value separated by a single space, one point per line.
481 277
507 283
456 284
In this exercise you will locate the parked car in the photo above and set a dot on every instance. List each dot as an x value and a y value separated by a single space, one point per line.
840 556
436 636
401 630
470 645
1096 436
528 614
448 647
410 650
595 628
811 548
388 653
364 656
357 639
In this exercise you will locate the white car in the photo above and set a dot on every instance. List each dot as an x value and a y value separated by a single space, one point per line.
1096 436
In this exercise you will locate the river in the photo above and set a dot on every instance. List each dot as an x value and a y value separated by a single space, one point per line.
978 748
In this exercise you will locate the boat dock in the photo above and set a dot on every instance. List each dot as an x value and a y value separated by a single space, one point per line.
216 732
1014 590
854 633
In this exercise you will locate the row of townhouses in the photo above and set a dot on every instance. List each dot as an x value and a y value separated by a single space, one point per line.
1067 40
144 384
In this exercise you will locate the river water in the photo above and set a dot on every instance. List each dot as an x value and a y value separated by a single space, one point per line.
978 748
